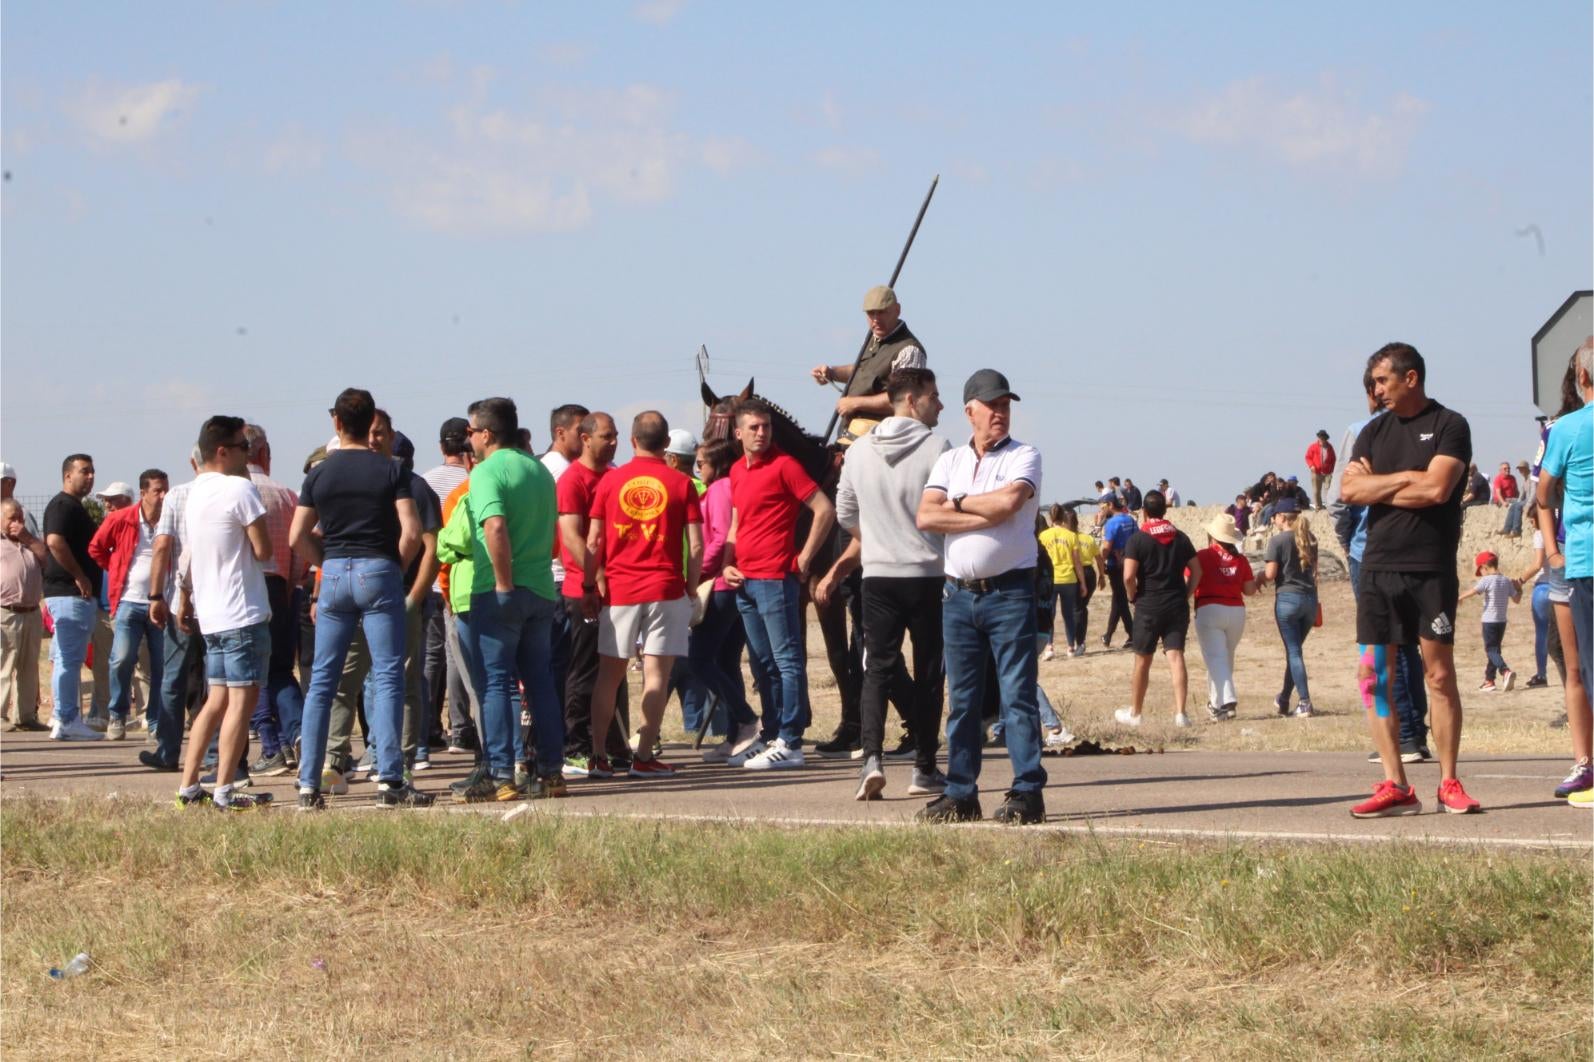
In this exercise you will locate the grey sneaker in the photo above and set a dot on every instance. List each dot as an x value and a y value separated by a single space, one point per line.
927 783
871 780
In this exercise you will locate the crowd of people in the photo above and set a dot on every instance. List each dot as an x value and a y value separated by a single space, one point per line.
493 604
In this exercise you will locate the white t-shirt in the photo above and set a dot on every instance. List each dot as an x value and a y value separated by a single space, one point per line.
1009 545
556 463
137 588
229 585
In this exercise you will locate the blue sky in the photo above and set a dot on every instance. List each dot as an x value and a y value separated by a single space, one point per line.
1179 229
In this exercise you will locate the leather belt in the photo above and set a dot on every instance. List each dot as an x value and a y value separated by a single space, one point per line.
1008 580
20 608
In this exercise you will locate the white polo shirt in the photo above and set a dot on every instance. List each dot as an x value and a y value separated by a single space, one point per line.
1009 545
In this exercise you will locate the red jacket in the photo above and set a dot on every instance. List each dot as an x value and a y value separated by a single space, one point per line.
114 546
1320 458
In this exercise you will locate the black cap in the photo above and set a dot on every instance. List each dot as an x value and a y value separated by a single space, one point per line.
454 429
987 385
1322 434
403 451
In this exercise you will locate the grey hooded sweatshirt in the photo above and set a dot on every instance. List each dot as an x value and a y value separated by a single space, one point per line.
882 482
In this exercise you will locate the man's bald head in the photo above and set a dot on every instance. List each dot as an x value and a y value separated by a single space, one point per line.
650 432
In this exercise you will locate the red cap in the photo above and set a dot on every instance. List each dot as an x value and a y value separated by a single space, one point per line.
1481 559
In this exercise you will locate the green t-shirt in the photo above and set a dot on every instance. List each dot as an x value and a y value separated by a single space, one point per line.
456 546
517 487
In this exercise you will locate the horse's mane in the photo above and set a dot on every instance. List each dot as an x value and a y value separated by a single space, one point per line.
808 448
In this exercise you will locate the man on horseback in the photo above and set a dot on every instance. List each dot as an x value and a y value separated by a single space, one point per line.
863 402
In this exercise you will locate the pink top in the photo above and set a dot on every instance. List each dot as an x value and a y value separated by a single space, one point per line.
716 505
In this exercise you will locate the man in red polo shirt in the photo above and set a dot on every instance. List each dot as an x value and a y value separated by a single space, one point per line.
577 486
768 490
639 515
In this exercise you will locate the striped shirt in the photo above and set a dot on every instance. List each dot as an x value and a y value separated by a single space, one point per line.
280 503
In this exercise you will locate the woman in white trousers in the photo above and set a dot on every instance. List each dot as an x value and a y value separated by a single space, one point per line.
1226 578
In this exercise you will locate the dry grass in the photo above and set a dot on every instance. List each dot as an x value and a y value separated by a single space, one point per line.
462 936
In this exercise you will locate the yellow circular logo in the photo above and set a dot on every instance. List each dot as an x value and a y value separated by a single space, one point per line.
643 498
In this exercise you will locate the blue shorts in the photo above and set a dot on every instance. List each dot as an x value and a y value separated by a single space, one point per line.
1560 586
238 658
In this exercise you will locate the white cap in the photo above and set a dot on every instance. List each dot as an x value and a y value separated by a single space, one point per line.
682 443
7 471
117 489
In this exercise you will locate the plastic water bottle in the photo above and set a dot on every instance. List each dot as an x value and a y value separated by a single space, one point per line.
78 965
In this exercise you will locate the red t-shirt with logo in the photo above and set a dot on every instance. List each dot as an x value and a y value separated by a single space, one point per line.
766 497
645 506
1223 575
574 492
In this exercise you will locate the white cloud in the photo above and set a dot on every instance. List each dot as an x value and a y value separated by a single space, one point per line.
132 113
852 161
549 167
657 12
1323 127
726 155
293 152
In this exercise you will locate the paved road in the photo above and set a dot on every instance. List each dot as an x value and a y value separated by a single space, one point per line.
1287 796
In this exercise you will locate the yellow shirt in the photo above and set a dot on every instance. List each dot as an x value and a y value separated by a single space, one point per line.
1060 544
1088 549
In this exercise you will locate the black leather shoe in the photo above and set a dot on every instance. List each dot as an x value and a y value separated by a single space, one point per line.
944 809
154 762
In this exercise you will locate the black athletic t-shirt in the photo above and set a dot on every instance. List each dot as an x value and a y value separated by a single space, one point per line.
354 493
1414 540
1162 559
65 516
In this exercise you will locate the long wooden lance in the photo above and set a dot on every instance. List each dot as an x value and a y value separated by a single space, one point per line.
901 258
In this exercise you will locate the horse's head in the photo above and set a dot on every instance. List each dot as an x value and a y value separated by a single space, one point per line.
722 412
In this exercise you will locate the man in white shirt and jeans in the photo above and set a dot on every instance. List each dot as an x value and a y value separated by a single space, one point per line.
225 543
982 497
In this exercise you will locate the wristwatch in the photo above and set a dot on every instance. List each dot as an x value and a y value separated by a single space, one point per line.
957 501
156 595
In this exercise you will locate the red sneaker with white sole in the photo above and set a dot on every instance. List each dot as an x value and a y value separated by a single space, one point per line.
1455 800
1388 800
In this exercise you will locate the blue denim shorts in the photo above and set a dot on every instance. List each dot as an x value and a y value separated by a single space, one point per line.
239 657
1560 587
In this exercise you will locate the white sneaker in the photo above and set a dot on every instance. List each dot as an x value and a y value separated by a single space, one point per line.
1127 717
76 730
739 759
720 753
94 722
776 754
1056 739
1048 653
1182 719
1508 679
115 730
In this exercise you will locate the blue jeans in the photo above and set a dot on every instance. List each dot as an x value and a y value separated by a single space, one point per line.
1542 618
74 619
131 627
281 709
1493 636
715 655
772 621
1410 685
1294 611
1049 718
513 634
364 592
1513 518
695 704
1583 623
999 624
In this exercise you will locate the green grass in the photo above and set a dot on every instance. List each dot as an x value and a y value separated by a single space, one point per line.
556 936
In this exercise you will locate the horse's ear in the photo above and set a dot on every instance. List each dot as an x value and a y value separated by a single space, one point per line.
710 399
747 392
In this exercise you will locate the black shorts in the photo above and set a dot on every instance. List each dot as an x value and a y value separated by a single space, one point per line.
1398 608
1167 623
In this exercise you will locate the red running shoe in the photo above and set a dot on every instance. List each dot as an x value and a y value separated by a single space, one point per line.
1388 799
600 767
653 768
1455 800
